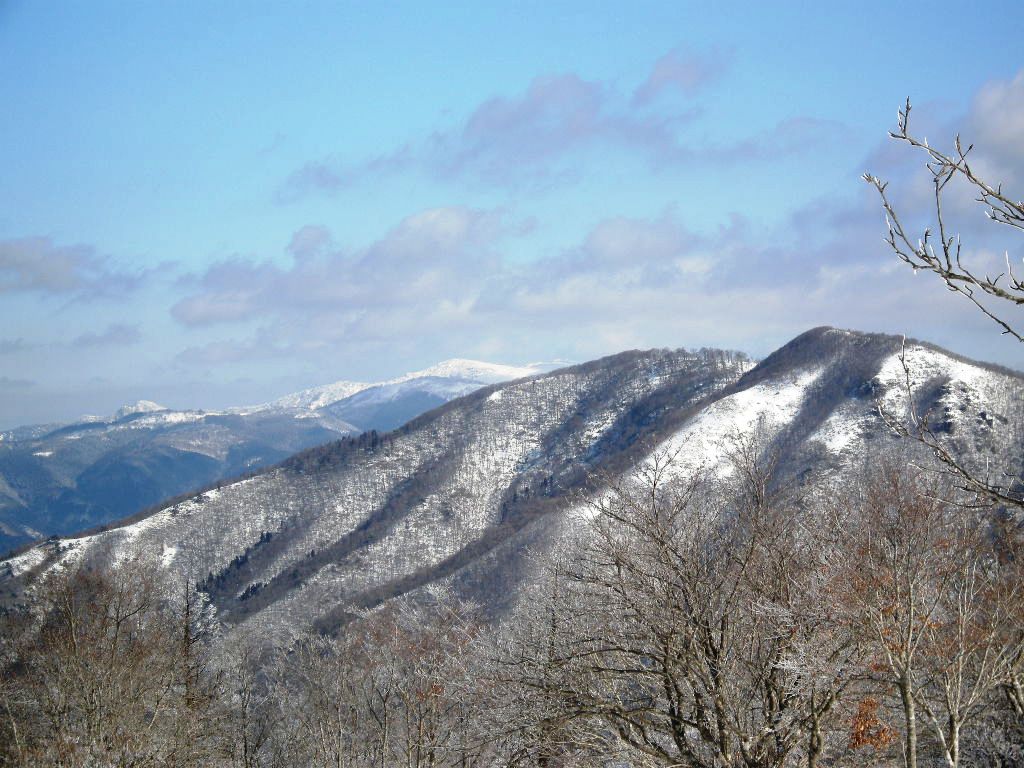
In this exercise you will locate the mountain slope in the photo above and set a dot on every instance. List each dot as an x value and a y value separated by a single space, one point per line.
63 479
815 402
337 526
462 493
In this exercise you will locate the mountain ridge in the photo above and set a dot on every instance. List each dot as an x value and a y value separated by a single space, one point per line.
56 479
461 494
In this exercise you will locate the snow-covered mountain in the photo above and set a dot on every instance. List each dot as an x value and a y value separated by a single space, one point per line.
139 406
59 479
461 493
452 378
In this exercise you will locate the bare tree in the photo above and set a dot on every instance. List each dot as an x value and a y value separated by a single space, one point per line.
394 689
939 251
970 644
110 669
947 262
694 633
928 592
248 705
982 640
533 708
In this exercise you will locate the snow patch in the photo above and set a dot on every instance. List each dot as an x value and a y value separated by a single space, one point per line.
925 364
139 406
314 397
921 366
26 561
838 432
167 557
473 370
167 418
704 441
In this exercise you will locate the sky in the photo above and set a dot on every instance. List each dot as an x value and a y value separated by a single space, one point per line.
213 204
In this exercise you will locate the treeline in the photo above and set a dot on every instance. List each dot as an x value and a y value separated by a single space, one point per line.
700 620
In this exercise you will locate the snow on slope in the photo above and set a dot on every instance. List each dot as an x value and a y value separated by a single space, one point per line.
925 365
969 389
703 443
169 443
312 398
442 522
26 561
843 428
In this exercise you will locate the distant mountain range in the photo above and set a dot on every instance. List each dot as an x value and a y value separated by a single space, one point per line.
64 478
462 494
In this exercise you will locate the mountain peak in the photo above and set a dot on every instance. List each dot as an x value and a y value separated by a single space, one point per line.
317 397
476 370
139 406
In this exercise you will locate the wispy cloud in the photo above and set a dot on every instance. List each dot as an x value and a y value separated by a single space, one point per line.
684 70
115 335
12 346
264 346
7 382
328 176
508 141
539 137
40 266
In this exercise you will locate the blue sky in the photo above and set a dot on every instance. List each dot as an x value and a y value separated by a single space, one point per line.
217 203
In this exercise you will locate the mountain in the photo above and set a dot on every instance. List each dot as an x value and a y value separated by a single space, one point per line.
61 479
463 493
389 404
139 406
456 373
